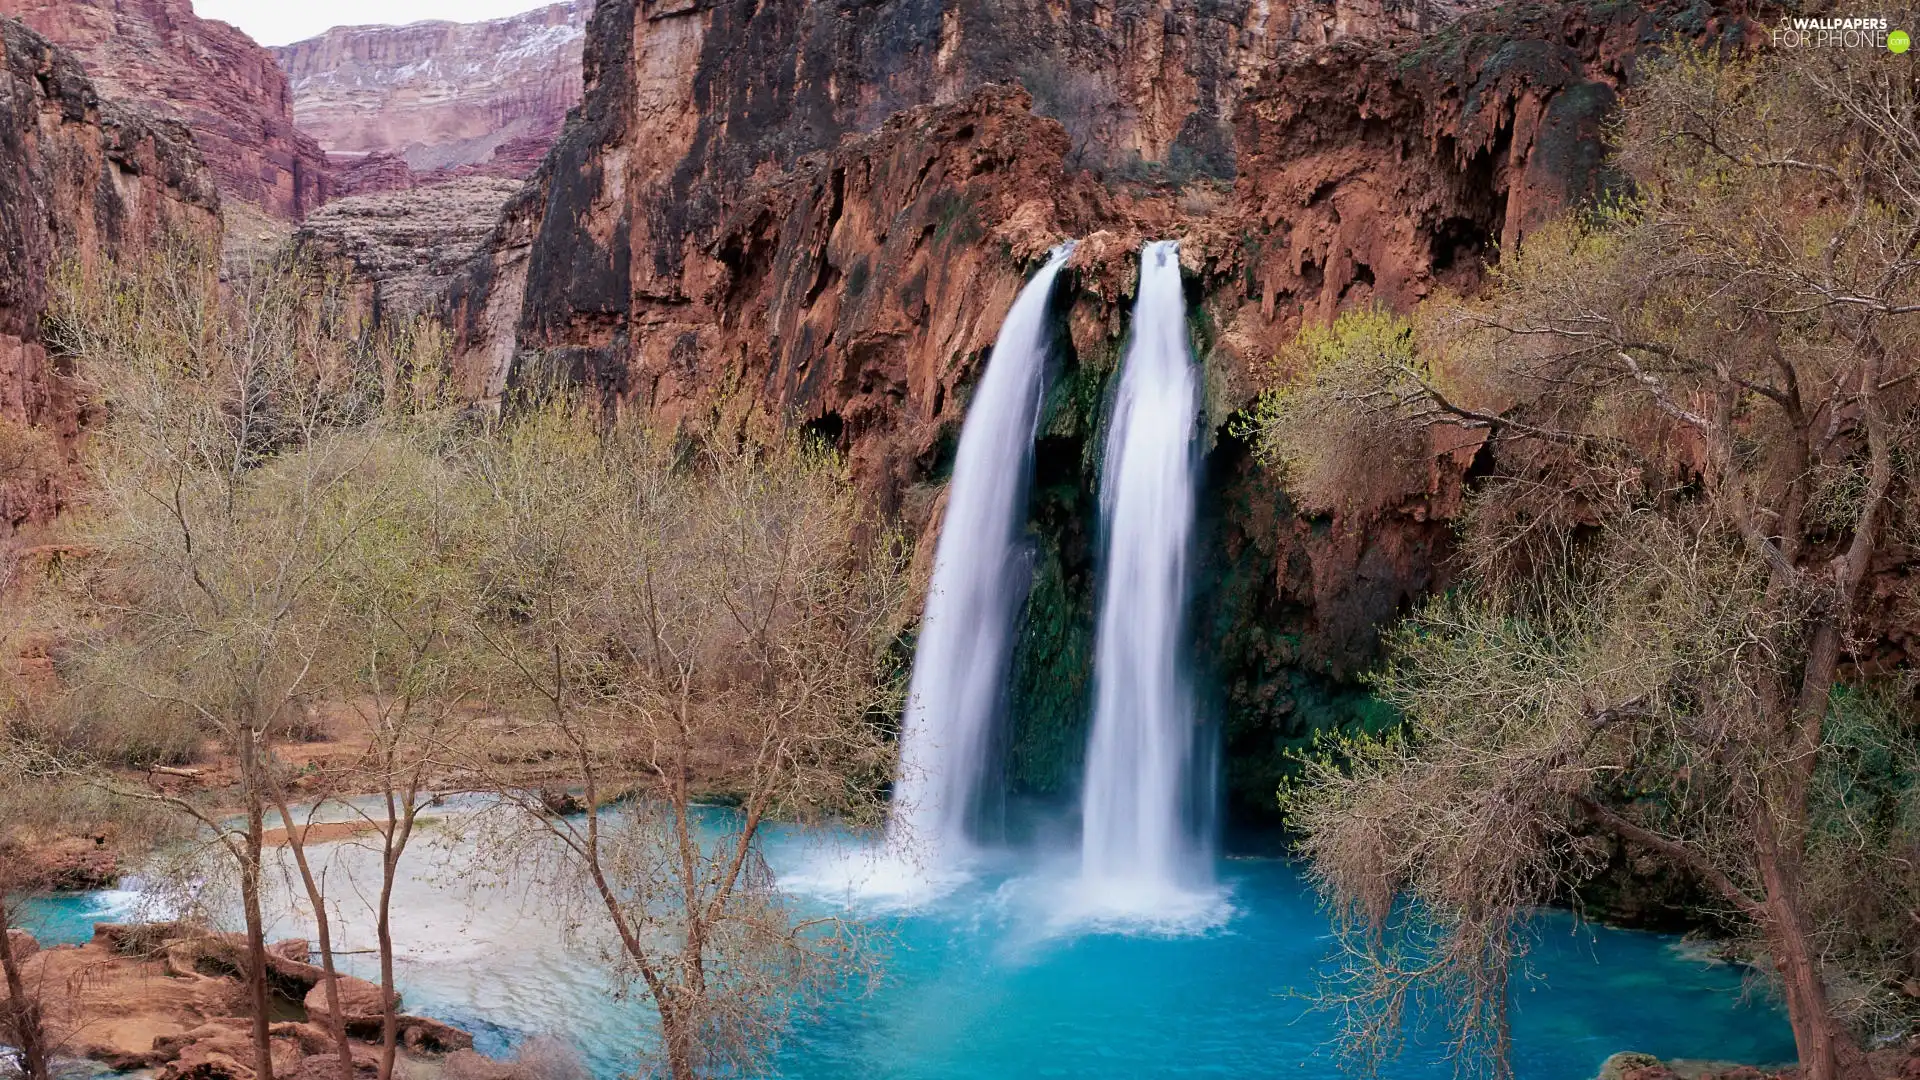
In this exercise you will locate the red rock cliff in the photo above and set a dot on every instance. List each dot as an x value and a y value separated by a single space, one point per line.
819 212
223 85
79 176
1309 158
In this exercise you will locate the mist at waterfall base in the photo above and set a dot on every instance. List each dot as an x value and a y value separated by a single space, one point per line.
989 982
980 578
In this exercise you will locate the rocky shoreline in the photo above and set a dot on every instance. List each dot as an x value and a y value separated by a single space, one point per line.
169 997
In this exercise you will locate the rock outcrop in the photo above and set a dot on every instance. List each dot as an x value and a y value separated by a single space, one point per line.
80 177
224 86
792 213
404 246
446 99
168 997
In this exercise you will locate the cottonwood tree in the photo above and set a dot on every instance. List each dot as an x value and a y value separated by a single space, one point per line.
669 625
403 670
228 477
1700 413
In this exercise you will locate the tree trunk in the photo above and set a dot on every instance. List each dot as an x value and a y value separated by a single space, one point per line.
256 922
1826 1050
676 1033
21 1019
323 927
383 924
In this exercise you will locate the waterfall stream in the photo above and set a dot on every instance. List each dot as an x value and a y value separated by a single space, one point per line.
1140 839
981 573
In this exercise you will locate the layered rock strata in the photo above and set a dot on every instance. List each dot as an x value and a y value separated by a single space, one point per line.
83 178
218 81
445 99
403 247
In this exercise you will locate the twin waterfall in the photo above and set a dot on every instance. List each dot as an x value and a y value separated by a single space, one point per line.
1139 804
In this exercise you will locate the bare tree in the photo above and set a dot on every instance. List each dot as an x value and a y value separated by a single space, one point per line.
403 669
672 627
228 477
1701 411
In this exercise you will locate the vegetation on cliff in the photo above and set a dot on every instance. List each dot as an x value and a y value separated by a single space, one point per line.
1690 538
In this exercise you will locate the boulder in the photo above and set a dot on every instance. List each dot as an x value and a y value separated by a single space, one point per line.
424 1035
23 944
360 1001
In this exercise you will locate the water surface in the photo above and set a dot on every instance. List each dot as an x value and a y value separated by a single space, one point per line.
1000 978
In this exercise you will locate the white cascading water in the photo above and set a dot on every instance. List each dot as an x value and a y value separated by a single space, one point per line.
980 579
1139 839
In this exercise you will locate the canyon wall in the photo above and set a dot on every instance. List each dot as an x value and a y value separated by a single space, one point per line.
80 177
402 247
397 106
225 87
818 213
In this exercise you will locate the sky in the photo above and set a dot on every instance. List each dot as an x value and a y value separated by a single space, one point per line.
282 22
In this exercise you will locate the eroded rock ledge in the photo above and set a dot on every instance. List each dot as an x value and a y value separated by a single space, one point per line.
168 997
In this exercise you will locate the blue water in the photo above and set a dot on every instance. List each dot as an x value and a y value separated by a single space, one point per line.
988 983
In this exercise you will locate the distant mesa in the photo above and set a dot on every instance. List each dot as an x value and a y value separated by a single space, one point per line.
398 107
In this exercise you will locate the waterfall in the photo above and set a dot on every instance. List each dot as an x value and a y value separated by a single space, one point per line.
1140 834
981 573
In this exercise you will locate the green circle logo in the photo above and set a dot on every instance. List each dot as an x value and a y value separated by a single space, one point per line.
1898 41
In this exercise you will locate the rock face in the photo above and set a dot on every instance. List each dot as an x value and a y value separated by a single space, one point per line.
79 177
405 246
223 85
444 98
821 212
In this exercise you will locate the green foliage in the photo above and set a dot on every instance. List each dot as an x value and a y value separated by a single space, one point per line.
1673 542
956 220
1051 679
1334 426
